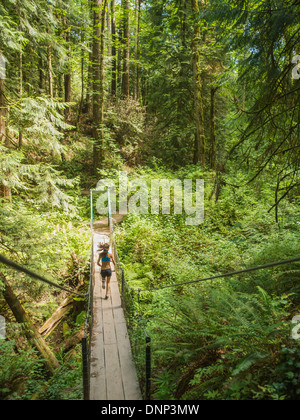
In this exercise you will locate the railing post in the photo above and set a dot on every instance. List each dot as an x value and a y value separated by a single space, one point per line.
123 281
85 342
109 212
85 370
92 211
148 368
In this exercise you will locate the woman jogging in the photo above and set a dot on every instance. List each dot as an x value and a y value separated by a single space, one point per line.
104 261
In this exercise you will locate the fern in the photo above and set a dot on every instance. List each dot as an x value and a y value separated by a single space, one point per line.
289 281
41 124
45 183
48 191
236 329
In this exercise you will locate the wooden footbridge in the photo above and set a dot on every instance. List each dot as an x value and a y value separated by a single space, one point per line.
108 369
112 372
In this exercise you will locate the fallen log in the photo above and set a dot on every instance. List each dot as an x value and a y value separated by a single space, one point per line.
30 331
57 317
71 341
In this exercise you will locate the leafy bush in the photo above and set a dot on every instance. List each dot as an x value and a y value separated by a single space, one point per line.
22 377
227 339
225 345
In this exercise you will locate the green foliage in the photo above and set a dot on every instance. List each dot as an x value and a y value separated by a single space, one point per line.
41 122
229 344
221 339
15 368
22 377
227 339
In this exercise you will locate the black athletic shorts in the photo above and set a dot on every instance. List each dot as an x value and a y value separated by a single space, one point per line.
106 273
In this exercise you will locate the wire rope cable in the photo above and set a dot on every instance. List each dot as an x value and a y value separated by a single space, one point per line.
36 276
233 273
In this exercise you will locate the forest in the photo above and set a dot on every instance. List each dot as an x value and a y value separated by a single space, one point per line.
159 89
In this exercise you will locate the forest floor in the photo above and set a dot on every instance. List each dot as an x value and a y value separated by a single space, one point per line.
101 226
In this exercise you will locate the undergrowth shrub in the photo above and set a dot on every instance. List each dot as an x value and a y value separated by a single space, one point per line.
226 346
22 376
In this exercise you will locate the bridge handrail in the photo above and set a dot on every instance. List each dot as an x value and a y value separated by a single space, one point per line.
130 311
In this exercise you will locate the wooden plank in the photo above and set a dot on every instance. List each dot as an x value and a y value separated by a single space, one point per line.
129 375
114 381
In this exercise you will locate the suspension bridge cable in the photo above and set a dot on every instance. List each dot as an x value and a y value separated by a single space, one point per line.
30 273
233 273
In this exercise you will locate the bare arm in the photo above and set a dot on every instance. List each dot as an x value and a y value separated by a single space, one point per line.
99 259
113 260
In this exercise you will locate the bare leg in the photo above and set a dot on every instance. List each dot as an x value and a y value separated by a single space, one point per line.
107 286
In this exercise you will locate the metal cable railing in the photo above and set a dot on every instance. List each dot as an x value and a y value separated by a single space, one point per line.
86 341
21 269
140 339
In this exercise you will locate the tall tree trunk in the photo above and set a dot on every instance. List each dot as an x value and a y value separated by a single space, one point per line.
5 192
98 87
126 53
50 72
213 145
102 69
80 108
3 112
114 51
21 98
29 329
90 81
108 26
120 56
96 83
41 75
89 96
136 92
68 74
199 152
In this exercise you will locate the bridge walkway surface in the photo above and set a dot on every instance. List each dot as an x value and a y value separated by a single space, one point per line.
113 375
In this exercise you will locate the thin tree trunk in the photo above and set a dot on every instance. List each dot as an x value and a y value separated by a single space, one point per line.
50 73
114 51
108 26
29 329
213 145
120 56
199 152
5 192
98 88
96 83
102 69
68 75
3 112
136 93
89 95
80 108
41 75
21 97
126 45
